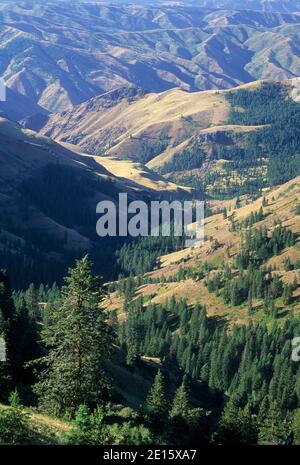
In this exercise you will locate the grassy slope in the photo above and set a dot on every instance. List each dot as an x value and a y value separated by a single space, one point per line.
281 204
132 175
185 135
45 429
44 218
167 121
23 153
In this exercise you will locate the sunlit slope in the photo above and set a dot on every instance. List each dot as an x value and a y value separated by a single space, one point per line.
132 175
281 207
48 198
24 152
217 142
49 193
142 127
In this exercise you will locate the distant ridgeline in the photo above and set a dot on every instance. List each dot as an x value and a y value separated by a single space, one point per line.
251 160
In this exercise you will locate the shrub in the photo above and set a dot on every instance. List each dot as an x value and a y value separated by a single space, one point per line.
14 429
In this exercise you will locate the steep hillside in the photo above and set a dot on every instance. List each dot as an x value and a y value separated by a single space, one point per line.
133 177
57 59
219 142
17 106
136 124
48 198
151 128
187 273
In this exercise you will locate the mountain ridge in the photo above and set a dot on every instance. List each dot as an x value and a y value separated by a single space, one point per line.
48 198
58 60
202 140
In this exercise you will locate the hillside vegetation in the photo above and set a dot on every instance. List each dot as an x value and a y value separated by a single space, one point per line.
187 273
48 198
223 143
136 339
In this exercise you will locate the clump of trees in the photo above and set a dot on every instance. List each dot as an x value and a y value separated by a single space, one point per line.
216 384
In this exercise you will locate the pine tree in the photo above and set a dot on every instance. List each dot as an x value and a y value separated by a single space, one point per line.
287 296
14 423
229 431
32 304
25 347
156 403
88 428
7 315
237 426
274 428
296 427
185 424
79 341
248 426
180 406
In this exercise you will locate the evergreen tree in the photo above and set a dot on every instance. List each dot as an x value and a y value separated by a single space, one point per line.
26 347
88 428
7 315
186 424
229 427
237 426
32 302
79 341
14 423
156 403
274 428
287 296
180 406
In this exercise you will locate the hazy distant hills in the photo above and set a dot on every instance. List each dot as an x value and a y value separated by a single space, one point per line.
264 5
142 91
57 57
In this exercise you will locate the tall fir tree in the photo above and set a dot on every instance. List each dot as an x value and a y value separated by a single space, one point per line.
7 315
275 427
157 403
180 406
79 342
